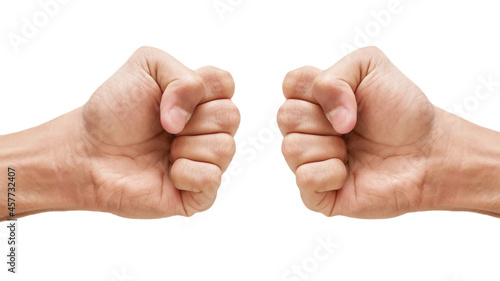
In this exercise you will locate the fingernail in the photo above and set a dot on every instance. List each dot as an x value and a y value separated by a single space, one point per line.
338 118
178 117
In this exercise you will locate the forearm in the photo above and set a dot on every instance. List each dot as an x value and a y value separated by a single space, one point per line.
51 170
466 170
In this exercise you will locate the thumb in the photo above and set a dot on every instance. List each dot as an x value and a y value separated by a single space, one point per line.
179 100
335 88
182 88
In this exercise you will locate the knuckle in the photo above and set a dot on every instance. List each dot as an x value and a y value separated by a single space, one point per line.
324 83
297 80
328 176
210 69
234 117
141 51
371 51
311 206
210 178
304 179
145 52
197 203
219 80
212 72
340 174
308 68
290 114
291 147
227 115
285 115
371 54
228 81
205 205
335 179
281 116
226 146
191 83
223 76
290 80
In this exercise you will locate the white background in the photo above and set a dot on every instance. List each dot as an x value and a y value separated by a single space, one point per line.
258 228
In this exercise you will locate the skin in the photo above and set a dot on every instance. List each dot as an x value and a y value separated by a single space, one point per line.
365 142
154 139
151 142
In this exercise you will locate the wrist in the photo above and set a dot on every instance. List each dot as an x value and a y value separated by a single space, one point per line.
52 172
464 169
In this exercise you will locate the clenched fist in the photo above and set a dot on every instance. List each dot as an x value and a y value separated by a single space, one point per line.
364 141
160 136
152 141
